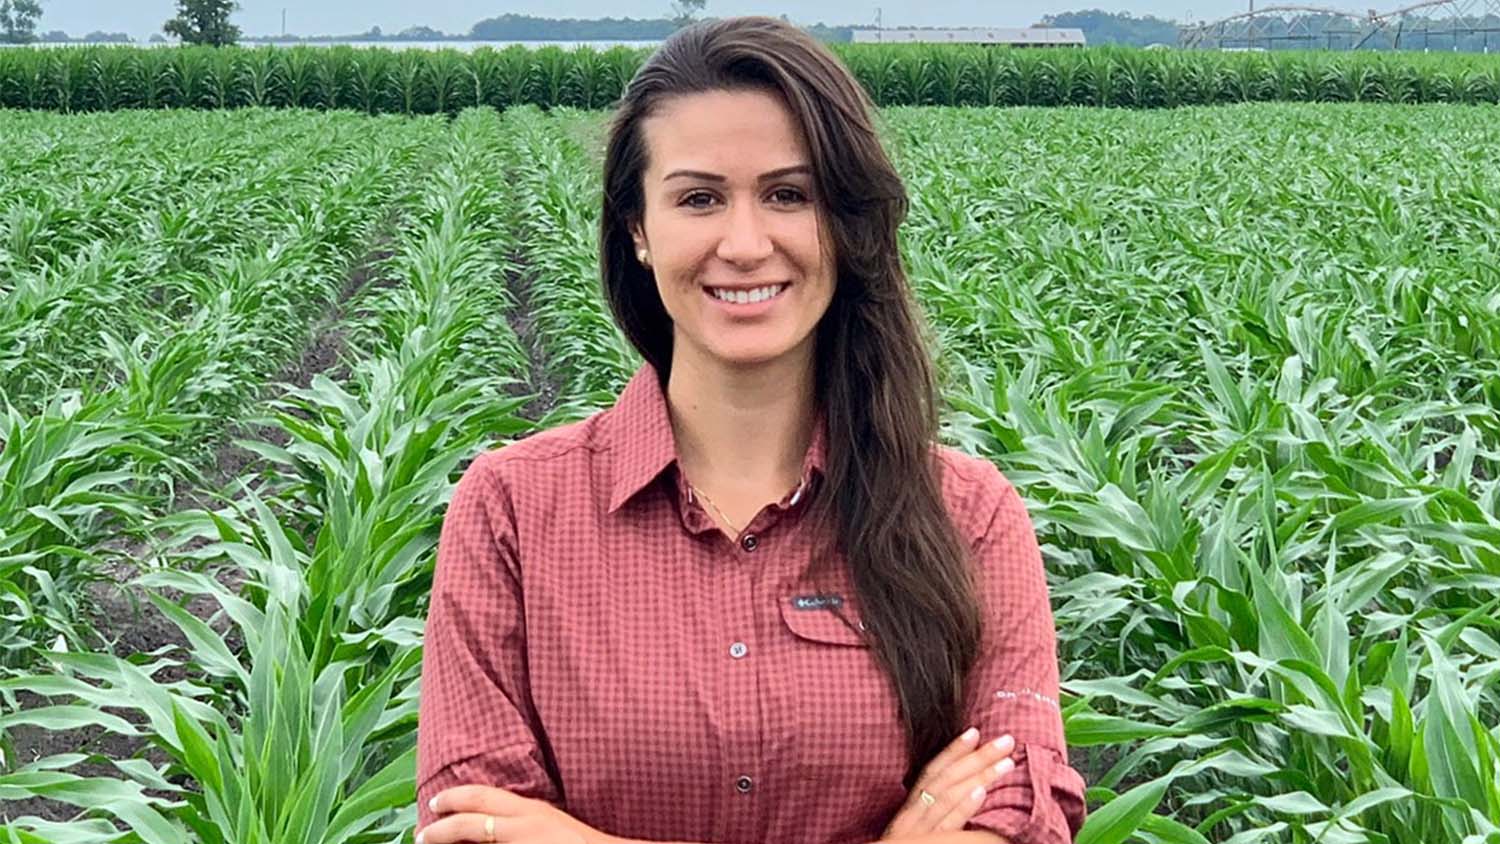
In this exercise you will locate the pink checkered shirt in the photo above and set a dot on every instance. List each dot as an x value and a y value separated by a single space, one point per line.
595 641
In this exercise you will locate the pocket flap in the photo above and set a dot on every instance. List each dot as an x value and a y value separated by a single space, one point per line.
821 621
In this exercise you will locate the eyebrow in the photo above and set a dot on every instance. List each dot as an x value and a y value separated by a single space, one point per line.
715 177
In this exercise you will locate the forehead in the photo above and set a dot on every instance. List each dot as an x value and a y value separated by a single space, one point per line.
727 132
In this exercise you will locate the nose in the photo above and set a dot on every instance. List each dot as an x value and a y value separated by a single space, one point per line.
746 240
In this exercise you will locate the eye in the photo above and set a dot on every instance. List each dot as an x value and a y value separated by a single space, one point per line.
784 195
796 194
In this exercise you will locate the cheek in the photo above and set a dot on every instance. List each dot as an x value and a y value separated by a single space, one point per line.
670 294
821 255
678 294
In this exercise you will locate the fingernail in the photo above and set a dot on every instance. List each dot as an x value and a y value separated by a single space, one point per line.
419 838
1003 743
970 735
432 804
1003 766
977 794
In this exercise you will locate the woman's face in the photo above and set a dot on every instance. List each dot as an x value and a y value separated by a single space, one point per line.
729 213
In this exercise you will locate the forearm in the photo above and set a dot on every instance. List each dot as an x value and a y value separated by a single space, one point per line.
965 836
962 836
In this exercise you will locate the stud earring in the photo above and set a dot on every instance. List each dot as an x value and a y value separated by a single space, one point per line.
641 255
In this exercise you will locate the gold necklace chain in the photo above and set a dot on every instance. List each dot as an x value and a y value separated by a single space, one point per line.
698 492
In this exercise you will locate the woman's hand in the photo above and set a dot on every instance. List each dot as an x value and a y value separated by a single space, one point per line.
482 813
957 779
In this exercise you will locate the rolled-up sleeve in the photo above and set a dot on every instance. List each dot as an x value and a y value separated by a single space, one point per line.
476 720
1013 688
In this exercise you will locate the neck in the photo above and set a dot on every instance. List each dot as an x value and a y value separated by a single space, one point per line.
742 431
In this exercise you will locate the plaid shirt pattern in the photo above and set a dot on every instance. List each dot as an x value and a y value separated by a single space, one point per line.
594 640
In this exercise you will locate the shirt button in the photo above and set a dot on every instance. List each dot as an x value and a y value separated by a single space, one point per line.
749 542
744 784
738 650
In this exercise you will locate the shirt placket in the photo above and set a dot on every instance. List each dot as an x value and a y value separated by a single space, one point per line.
749 559
743 770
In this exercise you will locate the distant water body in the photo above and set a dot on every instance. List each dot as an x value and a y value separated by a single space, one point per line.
464 46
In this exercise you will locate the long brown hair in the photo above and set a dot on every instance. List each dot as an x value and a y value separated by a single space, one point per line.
874 374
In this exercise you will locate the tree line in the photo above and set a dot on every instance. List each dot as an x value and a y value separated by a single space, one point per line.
196 22
208 22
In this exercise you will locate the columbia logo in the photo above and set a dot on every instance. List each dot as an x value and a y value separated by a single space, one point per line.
817 602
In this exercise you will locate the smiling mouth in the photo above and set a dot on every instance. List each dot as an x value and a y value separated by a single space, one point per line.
747 297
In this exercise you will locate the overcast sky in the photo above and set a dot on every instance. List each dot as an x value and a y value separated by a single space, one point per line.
140 18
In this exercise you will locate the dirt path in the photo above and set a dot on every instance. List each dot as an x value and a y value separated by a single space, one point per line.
541 384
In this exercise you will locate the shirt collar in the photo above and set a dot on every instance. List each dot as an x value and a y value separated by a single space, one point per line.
642 445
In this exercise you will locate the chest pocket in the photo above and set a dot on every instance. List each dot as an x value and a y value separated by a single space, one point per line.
825 618
847 732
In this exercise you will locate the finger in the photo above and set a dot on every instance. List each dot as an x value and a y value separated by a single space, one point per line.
916 816
979 787
469 827
486 799
960 811
955 750
944 803
943 779
964 806
907 822
971 764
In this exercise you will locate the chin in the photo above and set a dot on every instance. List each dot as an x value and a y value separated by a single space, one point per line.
750 357
748 360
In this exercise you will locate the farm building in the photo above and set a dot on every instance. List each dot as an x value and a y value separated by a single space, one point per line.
1037 36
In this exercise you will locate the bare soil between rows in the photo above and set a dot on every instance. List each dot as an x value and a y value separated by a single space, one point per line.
542 384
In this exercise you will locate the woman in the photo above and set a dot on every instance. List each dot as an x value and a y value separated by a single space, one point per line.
754 601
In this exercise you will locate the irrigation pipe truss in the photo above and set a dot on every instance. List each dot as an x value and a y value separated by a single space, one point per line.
1428 24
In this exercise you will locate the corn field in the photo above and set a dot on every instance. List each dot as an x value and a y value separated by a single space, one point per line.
108 78
1243 362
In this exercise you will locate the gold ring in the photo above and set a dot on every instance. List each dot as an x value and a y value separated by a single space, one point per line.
489 828
927 798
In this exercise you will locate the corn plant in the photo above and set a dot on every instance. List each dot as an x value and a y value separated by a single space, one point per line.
170 387
75 275
64 475
1241 361
307 732
1250 397
557 210
97 78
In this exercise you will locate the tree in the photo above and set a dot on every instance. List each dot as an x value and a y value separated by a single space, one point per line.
18 20
204 22
421 33
512 27
683 11
1101 27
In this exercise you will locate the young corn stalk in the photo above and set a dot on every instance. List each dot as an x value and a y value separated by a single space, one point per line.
307 735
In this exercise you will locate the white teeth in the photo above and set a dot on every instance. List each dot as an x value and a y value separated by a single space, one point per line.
759 294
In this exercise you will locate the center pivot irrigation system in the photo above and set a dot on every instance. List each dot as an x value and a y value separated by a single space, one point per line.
1432 24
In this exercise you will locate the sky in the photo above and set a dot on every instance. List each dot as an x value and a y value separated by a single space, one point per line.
141 18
